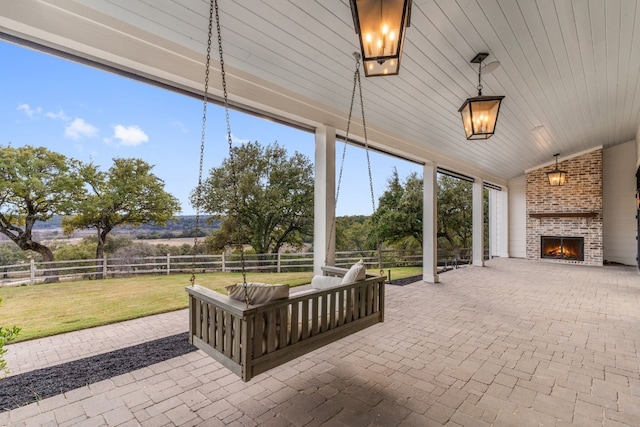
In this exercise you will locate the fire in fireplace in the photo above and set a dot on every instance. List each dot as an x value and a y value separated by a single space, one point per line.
561 247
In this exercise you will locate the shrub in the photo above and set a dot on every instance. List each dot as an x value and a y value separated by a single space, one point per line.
6 335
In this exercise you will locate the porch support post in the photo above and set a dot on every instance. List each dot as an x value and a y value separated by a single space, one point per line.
504 223
494 221
430 224
478 223
324 197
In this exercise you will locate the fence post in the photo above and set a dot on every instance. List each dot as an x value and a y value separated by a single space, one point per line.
104 267
278 262
32 272
223 267
168 264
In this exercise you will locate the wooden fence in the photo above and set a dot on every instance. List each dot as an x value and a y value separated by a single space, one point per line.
34 272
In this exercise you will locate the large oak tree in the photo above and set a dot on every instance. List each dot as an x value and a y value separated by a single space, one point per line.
127 194
35 184
274 198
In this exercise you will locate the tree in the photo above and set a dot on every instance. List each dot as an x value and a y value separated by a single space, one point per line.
35 184
274 203
455 222
128 194
398 218
351 233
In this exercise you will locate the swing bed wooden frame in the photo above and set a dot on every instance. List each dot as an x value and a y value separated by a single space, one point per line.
251 339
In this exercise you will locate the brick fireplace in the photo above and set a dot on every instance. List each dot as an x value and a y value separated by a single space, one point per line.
568 213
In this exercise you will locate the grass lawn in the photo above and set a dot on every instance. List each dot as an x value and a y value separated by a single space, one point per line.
49 309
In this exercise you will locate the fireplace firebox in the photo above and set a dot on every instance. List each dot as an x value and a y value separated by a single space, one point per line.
562 247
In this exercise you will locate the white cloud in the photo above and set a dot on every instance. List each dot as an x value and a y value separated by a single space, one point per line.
239 141
80 129
58 115
28 110
130 135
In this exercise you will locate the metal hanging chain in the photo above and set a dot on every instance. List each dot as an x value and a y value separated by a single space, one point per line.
356 78
366 149
232 158
357 83
205 99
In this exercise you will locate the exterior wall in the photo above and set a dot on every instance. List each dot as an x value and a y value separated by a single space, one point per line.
517 217
582 193
638 148
619 210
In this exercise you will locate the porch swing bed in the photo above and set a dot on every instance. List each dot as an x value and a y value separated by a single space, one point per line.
249 340
254 329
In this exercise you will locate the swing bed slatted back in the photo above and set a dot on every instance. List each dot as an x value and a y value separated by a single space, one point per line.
251 340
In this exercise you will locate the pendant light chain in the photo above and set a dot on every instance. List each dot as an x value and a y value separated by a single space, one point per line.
479 78
232 158
205 98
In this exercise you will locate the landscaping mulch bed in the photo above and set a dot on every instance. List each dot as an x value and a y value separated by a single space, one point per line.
22 389
405 280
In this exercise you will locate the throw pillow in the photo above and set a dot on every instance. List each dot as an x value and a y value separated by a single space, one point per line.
356 273
258 293
325 282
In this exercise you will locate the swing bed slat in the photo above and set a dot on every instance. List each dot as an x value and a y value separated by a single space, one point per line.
251 340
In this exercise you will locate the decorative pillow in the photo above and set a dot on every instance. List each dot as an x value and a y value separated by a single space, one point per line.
325 282
356 272
258 292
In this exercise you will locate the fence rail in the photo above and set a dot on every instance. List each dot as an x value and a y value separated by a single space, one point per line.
34 272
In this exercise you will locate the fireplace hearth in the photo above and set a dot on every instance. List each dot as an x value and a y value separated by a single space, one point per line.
562 247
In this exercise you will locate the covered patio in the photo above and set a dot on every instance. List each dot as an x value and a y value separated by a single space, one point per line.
514 343
568 70
517 343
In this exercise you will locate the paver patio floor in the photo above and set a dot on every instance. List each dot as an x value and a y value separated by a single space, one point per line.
516 343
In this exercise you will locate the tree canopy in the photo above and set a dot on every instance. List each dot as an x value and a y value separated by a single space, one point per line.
455 221
274 198
35 184
398 218
127 194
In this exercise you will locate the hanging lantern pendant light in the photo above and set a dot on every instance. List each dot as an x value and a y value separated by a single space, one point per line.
380 25
480 114
556 176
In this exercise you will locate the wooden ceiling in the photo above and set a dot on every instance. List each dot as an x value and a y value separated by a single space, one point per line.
568 68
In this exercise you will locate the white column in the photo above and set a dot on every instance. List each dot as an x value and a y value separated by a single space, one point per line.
494 223
430 224
324 198
504 222
478 226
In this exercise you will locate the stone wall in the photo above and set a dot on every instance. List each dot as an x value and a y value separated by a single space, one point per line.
581 193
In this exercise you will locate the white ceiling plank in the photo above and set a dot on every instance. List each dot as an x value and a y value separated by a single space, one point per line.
571 66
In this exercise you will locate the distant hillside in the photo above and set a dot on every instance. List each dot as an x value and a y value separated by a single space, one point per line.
182 226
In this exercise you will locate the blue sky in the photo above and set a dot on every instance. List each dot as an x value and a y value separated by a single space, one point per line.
92 115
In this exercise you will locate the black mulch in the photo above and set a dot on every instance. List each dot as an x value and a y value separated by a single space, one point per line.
22 389
405 280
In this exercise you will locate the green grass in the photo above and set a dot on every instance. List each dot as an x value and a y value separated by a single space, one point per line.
50 309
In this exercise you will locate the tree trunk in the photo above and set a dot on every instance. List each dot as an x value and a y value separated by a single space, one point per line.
102 238
47 256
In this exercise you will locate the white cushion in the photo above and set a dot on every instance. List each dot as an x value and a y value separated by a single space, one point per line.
356 273
258 292
325 282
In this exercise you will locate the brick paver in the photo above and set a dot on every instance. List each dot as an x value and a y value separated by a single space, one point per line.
516 343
